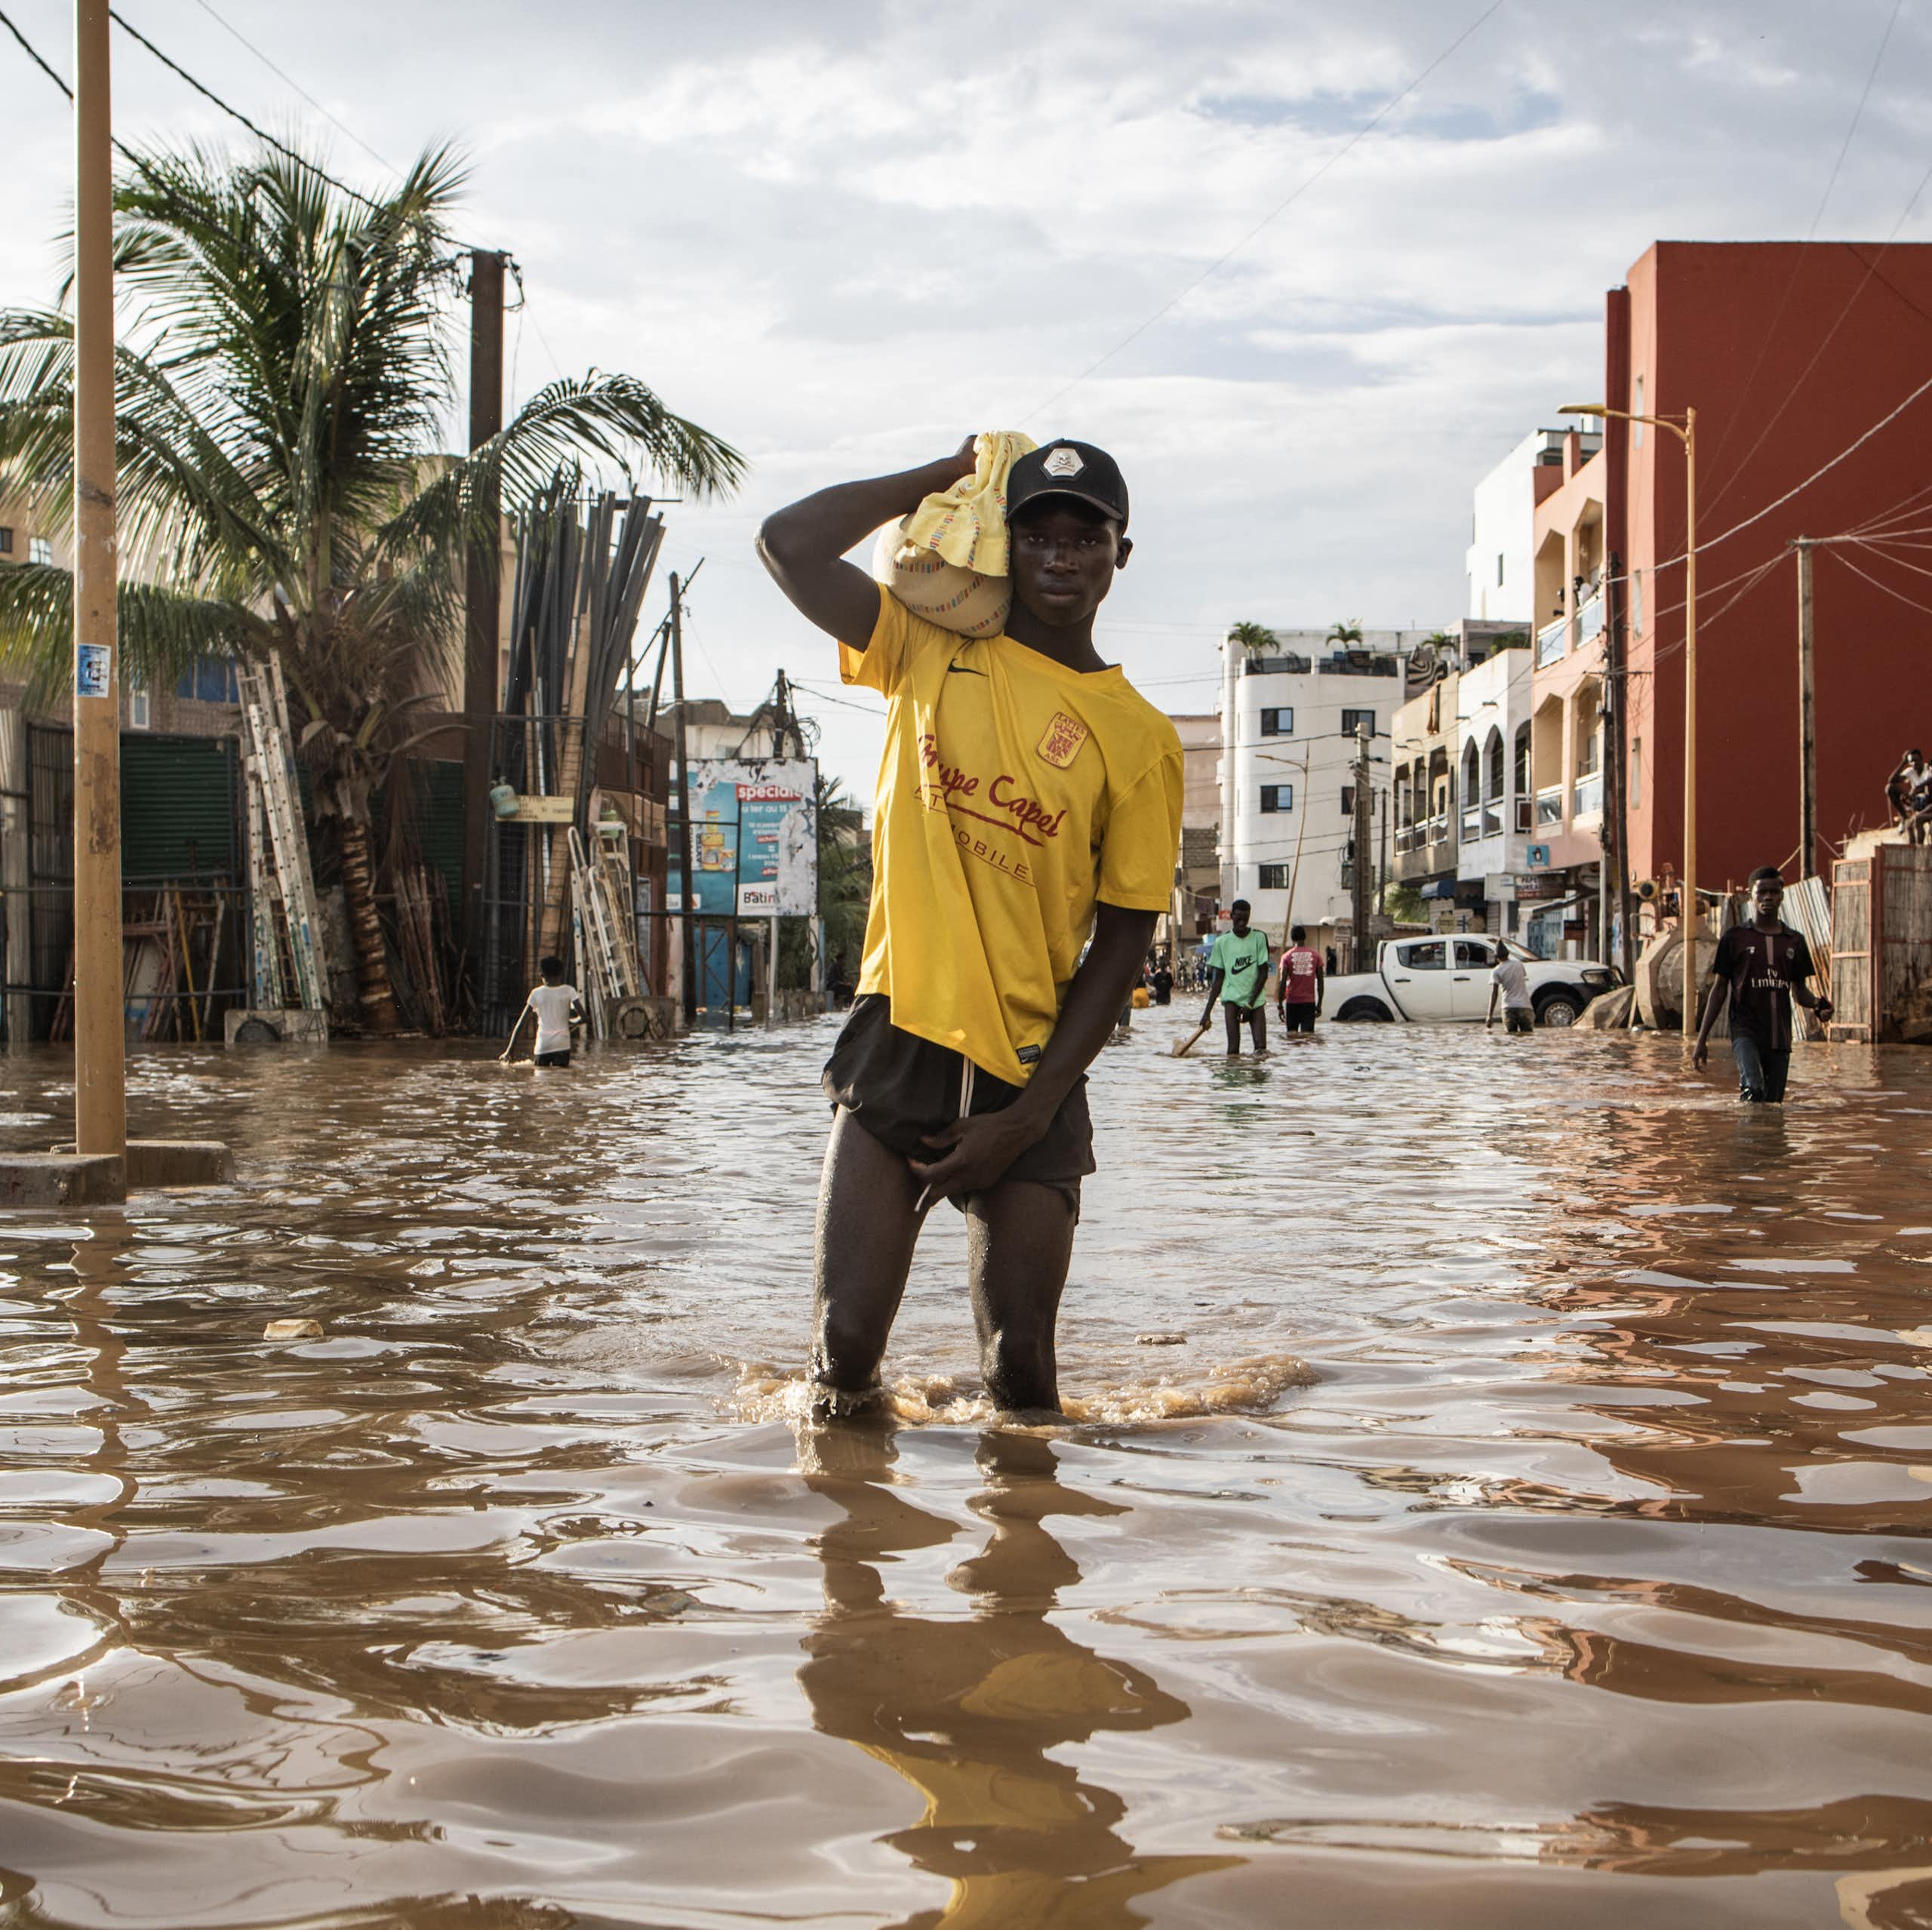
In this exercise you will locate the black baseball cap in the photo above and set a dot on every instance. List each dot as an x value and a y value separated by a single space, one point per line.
1077 469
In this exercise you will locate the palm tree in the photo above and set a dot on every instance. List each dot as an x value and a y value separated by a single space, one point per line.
1347 635
283 382
1255 638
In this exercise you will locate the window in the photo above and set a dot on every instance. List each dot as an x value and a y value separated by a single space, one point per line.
1429 957
211 680
1471 953
1278 723
1636 770
1499 568
1277 797
1636 602
1353 720
6 540
39 550
139 716
1348 799
1274 877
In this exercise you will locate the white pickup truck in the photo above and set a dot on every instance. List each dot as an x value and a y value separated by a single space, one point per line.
1427 980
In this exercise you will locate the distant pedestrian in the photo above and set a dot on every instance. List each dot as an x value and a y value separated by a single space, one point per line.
1510 982
1237 973
556 1007
1334 963
1761 967
1164 983
1298 987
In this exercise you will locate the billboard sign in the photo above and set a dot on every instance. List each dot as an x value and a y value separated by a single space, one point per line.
753 822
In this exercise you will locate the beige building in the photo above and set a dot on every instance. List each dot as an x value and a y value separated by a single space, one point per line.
1566 749
1198 876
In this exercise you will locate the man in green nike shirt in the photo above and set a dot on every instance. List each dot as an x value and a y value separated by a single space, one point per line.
1237 973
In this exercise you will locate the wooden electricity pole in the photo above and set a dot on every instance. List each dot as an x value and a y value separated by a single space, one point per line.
100 1091
687 882
482 594
1808 722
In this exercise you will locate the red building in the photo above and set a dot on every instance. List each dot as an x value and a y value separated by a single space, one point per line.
1790 353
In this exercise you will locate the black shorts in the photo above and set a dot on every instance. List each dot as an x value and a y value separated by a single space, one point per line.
552 1058
899 1087
1297 1017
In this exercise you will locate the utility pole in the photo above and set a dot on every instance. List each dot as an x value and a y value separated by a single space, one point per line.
687 882
482 591
1361 876
100 1086
1807 721
1382 864
1687 917
1614 915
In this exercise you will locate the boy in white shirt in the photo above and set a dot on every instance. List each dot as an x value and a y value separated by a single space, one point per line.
556 1008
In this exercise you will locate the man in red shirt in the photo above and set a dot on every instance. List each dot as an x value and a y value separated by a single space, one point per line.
1300 984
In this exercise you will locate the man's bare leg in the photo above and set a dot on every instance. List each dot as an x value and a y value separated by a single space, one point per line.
868 1223
1018 1245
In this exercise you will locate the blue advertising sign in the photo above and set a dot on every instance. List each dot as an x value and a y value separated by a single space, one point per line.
753 822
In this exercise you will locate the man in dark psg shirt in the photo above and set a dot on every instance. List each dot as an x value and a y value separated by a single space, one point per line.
1762 965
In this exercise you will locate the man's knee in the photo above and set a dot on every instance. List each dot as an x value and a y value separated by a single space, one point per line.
846 1353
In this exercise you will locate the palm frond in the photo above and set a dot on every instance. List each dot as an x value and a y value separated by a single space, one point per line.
161 632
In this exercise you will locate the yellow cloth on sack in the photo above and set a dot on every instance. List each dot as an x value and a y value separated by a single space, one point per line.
966 524
1013 794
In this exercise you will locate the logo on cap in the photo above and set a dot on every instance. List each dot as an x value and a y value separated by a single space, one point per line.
1063 462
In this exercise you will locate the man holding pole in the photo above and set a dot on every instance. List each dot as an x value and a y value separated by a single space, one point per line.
1237 973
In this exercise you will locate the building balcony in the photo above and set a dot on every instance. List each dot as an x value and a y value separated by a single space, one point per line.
1553 643
1409 836
1586 798
1492 818
1439 828
1275 666
1359 663
1589 620
1549 806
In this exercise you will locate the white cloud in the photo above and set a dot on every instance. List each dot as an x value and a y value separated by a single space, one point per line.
841 241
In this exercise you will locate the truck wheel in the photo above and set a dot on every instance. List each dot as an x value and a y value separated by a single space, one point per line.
1560 1008
1364 1008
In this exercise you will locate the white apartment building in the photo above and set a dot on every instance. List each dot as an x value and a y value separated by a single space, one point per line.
1492 734
1501 561
1288 717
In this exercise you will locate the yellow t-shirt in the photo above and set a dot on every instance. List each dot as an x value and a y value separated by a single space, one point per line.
1013 795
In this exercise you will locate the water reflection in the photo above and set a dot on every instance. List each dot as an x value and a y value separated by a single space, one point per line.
969 1708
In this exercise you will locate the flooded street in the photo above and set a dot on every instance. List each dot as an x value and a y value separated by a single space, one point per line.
1529 1529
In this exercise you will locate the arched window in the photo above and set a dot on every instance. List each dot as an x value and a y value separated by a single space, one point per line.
1493 787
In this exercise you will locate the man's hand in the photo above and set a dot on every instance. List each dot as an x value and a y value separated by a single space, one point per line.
1822 1007
1700 1052
973 1154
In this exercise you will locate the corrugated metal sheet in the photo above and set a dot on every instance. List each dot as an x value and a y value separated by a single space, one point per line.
177 807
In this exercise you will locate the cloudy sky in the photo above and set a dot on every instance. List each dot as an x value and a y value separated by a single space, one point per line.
844 235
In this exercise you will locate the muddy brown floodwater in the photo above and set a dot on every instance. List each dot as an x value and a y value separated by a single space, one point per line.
1529 1530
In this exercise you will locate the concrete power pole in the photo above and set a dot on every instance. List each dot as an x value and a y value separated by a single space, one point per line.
1363 873
1808 722
100 1089
482 594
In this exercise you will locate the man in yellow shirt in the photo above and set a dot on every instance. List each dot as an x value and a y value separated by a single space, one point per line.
1029 799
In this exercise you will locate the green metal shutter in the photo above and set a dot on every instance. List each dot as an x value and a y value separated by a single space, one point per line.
177 808
439 820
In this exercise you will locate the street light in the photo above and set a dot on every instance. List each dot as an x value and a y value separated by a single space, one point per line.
1685 429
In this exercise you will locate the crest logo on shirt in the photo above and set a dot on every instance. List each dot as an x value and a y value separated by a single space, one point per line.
1064 736
1063 462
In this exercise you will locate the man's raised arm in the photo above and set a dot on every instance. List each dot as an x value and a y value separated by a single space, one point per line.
804 546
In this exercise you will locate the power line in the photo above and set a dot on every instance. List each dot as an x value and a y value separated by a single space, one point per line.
1281 207
235 113
290 81
1796 267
